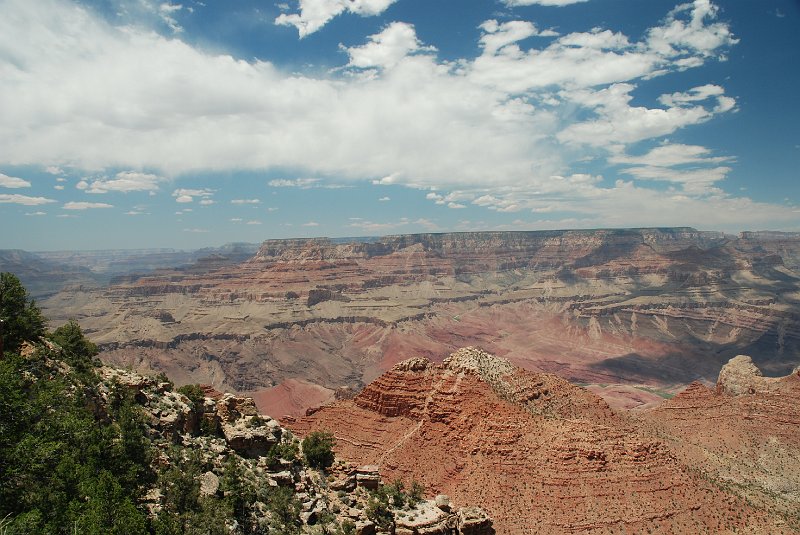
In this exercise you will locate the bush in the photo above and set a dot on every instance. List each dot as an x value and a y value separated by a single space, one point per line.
78 350
194 393
318 449
20 318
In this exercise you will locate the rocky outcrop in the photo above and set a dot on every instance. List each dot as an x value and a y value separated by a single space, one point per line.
338 496
655 307
246 431
473 429
740 376
744 434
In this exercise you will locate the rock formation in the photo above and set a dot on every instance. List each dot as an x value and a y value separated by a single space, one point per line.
539 454
745 434
657 308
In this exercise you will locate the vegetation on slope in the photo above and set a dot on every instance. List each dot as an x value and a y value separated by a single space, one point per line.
77 455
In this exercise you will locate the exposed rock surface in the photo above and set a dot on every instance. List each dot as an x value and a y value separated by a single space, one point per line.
540 455
650 307
740 376
744 434
342 493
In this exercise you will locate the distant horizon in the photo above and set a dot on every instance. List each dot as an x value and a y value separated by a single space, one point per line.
366 238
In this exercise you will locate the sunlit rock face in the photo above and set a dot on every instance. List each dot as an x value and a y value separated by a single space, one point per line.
301 319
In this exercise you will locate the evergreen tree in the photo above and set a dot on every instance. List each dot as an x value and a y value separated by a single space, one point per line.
20 318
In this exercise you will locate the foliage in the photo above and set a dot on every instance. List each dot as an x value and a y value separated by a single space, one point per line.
285 509
75 457
194 393
416 494
61 466
379 512
22 321
78 350
288 450
318 449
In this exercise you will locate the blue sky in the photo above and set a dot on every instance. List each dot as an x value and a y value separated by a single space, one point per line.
144 123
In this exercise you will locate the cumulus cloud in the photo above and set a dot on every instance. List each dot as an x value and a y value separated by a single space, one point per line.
311 224
15 198
314 14
386 49
246 201
80 205
506 127
13 182
619 122
125 182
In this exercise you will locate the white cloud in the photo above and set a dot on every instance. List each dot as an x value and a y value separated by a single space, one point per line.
58 187
387 48
311 224
246 201
671 154
253 222
688 30
404 224
35 213
187 195
497 35
23 199
314 14
13 182
385 199
497 127
85 205
619 122
455 205
206 202
196 230
694 95
236 219
53 170
125 182
303 183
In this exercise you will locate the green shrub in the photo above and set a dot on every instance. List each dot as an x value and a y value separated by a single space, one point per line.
194 393
318 449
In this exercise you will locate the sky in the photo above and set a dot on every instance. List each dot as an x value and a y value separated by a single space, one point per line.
184 124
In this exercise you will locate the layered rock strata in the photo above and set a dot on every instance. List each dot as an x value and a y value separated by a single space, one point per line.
540 455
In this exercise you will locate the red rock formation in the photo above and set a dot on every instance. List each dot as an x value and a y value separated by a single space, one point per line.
744 434
540 455
657 307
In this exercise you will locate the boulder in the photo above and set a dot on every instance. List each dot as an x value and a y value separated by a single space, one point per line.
209 484
474 521
740 376
368 477
443 502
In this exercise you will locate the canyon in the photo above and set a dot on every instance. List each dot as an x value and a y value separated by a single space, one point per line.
634 314
544 456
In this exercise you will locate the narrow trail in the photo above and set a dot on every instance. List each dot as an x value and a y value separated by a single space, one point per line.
435 389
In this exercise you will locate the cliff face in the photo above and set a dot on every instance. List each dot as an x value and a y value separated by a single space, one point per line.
539 454
744 433
659 307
